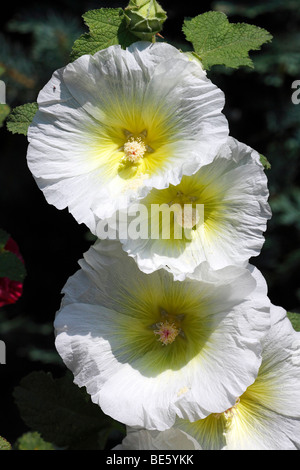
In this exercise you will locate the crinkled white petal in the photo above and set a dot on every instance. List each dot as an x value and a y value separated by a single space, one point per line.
266 416
104 335
234 193
171 439
76 137
278 384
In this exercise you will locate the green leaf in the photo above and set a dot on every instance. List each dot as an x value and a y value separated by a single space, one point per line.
21 117
107 26
11 266
4 237
4 445
62 412
264 161
4 112
295 320
32 441
218 42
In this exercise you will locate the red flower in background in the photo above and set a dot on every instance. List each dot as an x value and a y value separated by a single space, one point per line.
10 291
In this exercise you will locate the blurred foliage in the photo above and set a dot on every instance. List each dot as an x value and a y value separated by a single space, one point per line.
4 445
26 68
63 413
37 40
32 441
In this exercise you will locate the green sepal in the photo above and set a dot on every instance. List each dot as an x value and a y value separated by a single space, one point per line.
265 162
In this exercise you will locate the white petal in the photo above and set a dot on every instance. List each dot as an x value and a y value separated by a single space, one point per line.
171 439
76 137
105 336
278 383
233 190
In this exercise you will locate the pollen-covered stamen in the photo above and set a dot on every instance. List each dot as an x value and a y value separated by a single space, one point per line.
169 327
228 414
134 149
167 332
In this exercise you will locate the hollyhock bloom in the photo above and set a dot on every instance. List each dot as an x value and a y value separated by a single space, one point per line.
10 291
227 200
148 348
113 125
265 417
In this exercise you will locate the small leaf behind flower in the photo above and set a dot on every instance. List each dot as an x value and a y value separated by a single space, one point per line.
21 117
107 27
218 42
295 320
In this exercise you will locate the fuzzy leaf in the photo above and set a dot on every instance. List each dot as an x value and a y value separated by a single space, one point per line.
32 441
61 412
218 42
4 445
21 117
107 26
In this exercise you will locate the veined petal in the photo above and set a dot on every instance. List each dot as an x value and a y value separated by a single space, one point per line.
278 384
142 439
266 415
227 200
88 111
173 348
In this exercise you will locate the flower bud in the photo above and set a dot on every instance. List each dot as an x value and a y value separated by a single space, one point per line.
145 18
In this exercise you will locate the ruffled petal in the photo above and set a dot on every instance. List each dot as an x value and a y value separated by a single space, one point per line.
107 334
90 108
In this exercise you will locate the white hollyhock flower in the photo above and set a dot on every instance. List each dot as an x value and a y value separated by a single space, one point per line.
267 415
148 348
218 215
113 125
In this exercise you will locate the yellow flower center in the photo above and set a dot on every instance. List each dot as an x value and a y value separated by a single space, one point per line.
134 149
167 332
169 328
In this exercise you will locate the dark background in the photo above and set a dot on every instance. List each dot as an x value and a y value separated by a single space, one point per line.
35 40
